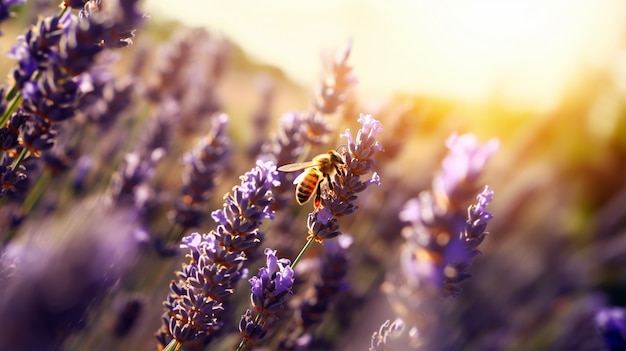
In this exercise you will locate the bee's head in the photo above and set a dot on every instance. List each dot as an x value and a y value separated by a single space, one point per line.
336 158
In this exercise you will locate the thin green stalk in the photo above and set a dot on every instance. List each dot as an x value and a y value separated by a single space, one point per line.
20 158
11 108
172 346
308 244
35 193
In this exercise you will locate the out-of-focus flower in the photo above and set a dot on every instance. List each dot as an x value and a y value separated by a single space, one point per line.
188 69
207 159
461 168
127 312
611 323
139 164
58 270
441 240
4 8
11 179
311 311
334 88
52 58
388 330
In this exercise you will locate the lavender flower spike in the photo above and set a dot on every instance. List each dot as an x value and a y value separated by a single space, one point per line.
207 159
269 291
194 308
461 168
442 238
246 207
322 222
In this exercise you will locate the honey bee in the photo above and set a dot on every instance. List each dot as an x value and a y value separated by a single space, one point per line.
321 168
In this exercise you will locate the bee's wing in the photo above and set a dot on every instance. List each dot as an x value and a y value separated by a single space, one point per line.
292 167
300 177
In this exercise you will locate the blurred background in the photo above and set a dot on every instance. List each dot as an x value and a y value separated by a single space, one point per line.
546 78
525 53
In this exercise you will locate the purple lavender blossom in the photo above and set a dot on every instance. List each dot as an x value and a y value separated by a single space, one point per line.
333 90
11 179
246 207
75 4
272 283
195 304
203 163
4 8
333 269
388 331
52 58
60 272
285 148
461 167
139 164
269 292
118 21
322 222
107 99
611 323
35 49
188 70
441 238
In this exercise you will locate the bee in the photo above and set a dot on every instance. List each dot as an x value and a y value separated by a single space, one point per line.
321 168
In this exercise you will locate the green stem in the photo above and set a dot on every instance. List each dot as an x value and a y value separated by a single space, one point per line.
19 159
35 193
308 244
9 111
172 346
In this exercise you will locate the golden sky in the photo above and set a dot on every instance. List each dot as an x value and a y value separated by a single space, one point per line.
528 50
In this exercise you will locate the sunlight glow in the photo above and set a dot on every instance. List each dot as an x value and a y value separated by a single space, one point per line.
523 51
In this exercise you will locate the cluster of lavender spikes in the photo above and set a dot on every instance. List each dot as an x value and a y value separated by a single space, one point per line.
441 238
53 59
60 95
322 224
195 304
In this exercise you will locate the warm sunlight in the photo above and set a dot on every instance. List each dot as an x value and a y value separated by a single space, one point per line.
526 52
376 175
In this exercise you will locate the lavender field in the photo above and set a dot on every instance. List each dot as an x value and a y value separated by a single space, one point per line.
149 200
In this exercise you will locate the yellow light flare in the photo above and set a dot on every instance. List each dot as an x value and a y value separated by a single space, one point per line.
524 51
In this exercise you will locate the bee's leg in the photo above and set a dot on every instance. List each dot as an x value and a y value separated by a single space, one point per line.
330 184
318 196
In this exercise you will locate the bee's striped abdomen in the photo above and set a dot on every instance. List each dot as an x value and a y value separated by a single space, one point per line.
307 186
